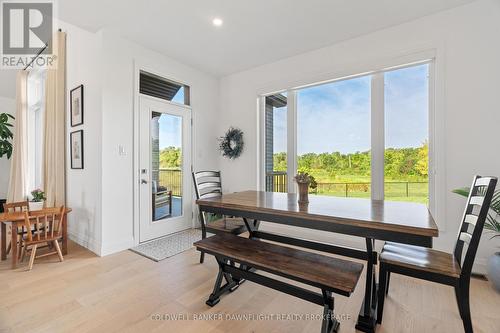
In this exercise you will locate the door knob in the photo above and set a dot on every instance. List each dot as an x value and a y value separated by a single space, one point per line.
144 181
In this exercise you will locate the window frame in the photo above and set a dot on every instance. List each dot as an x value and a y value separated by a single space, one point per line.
378 130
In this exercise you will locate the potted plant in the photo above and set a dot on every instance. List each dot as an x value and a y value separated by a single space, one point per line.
36 203
491 226
305 181
5 135
5 141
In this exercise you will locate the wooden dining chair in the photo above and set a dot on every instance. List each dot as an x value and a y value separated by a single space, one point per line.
451 269
46 227
208 184
21 206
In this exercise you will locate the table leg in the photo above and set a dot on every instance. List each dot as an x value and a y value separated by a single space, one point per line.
250 228
367 319
13 245
65 235
3 241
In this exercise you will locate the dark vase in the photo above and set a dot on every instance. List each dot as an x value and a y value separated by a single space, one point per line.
494 271
303 193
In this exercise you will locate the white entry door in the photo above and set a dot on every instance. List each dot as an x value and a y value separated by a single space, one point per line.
165 166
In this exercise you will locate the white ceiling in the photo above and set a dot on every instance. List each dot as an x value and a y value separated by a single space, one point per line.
255 32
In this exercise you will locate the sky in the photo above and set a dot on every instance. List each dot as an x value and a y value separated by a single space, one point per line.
336 116
171 126
170 131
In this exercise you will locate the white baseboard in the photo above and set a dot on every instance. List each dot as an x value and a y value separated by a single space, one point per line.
110 248
480 266
86 242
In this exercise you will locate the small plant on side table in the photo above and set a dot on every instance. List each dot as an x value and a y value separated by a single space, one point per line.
36 203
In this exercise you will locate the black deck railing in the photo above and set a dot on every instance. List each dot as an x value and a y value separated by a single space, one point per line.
277 182
172 180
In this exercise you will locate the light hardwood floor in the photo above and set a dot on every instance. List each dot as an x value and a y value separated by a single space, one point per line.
121 293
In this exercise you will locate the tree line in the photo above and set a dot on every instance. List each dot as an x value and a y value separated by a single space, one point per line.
400 163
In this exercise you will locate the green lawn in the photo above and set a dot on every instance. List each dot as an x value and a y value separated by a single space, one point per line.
411 189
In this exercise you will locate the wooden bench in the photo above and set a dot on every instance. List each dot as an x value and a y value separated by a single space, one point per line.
331 275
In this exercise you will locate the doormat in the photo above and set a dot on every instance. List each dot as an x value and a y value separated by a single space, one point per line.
168 246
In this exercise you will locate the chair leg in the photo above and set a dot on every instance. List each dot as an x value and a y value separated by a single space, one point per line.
464 301
382 291
20 250
32 258
387 284
459 303
203 236
58 249
21 253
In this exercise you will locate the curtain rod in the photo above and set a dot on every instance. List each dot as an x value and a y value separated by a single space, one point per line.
38 54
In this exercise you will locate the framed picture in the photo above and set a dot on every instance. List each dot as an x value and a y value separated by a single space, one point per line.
76 146
76 106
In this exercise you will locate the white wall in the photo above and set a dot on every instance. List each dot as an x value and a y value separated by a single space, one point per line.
119 59
102 194
7 105
466 42
83 187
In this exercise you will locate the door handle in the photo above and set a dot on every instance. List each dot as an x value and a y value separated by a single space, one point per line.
144 181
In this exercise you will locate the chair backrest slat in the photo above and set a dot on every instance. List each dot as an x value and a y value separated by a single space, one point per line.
210 195
207 184
483 181
472 224
207 174
45 223
477 201
471 219
465 237
21 206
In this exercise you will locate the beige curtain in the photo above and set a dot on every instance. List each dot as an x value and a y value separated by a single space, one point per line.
19 162
54 147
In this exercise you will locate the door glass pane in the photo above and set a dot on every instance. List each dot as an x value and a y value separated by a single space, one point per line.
166 165
276 143
407 134
333 139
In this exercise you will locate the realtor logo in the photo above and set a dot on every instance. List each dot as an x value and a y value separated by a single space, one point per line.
27 28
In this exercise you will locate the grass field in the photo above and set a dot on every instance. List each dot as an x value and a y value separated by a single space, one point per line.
394 191
411 189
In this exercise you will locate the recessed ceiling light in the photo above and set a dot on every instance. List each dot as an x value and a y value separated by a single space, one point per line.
217 22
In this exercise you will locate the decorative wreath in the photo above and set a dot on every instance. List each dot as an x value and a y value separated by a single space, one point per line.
231 144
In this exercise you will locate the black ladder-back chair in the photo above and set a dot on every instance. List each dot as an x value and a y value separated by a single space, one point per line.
208 184
441 267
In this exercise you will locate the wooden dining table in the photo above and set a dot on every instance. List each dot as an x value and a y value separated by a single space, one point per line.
17 219
402 222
